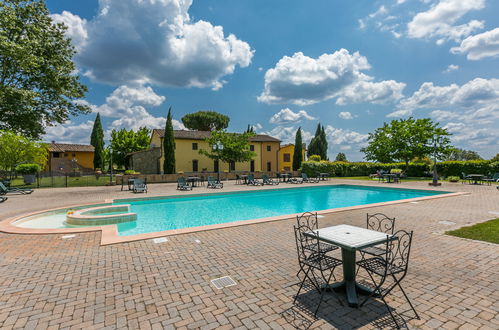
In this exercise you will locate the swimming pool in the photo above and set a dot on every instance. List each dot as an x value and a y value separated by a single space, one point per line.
176 212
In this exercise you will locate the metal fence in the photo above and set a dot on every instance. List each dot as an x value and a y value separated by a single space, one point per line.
52 179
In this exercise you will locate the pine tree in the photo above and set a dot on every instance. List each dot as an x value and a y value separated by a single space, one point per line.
97 140
169 146
323 144
297 155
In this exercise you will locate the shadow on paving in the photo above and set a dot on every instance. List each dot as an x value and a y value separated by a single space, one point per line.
374 313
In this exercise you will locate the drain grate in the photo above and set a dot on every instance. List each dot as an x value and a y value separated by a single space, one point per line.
448 223
223 282
160 240
68 236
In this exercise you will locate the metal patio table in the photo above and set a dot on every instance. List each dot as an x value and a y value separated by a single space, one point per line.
349 239
391 177
285 177
193 180
475 178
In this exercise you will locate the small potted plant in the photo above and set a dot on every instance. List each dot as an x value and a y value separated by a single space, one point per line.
28 172
453 179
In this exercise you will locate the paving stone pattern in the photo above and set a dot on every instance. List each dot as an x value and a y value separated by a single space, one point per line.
49 283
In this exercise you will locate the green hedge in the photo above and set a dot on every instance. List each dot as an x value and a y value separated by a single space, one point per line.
28 168
450 168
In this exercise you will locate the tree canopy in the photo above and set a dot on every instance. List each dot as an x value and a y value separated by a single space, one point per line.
341 157
298 152
234 147
38 86
318 144
169 145
97 140
124 141
16 149
495 158
462 154
406 139
206 121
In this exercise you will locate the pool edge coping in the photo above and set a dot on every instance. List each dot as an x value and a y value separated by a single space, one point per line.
109 233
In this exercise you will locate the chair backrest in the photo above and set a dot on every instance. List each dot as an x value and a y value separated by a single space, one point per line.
308 220
496 176
251 177
138 182
2 187
399 249
211 179
304 175
380 222
265 177
181 180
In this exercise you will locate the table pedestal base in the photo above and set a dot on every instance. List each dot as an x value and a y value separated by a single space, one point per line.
351 289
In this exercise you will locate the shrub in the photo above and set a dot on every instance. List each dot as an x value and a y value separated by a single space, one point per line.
314 158
28 168
128 172
453 179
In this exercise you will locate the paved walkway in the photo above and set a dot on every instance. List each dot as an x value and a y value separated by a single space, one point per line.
50 282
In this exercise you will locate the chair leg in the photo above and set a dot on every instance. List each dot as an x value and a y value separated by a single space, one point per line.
390 311
301 285
407 298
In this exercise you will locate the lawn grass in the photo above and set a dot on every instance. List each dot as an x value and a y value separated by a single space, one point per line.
60 181
486 231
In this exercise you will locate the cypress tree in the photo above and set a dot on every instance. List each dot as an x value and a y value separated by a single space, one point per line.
323 144
297 155
169 145
97 140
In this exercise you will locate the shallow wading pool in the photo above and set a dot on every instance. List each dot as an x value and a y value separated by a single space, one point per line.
185 211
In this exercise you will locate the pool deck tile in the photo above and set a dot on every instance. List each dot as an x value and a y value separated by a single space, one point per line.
46 281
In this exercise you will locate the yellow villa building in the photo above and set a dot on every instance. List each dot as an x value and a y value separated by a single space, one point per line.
188 159
67 158
285 157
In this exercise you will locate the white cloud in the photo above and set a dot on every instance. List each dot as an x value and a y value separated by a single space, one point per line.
303 80
443 115
479 46
76 28
154 42
439 21
70 132
287 134
346 115
344 137
286 116
451 67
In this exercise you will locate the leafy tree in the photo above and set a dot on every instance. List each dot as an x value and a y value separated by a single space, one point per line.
229 147
124 141
461 154
97 140
16 149
169 145
406 139
314 158
38 87
205 121
298 155
318 144
341 157
495 158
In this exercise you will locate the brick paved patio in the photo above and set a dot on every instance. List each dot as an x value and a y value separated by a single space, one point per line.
50 282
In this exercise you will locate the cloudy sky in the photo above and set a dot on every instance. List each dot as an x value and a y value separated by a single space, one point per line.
283 64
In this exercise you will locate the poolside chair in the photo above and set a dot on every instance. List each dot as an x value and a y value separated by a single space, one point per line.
295 180
269 181
492 178
305 178
238 179
465 177
3 199
213 184
252 181
314 262
306 222
23 191
378 222
388 271
182 184
139 185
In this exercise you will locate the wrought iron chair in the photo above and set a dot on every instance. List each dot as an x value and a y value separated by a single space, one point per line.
308 222
310 261
388 271
379 222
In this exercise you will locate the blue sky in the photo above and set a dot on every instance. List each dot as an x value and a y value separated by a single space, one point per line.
279 65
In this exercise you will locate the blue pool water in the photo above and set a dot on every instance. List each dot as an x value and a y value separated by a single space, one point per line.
167 213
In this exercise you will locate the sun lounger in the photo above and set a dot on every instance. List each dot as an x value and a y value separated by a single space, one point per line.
269 181
252 181
182 184
305 178
3 199
295 180
213 184
494 178
4 190
139 185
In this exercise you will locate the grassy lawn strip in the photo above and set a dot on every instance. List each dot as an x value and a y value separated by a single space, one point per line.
486 231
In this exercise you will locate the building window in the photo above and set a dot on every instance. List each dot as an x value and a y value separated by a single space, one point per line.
194 146
65 155
252 166
252 147
269 166
269 148
287 157
56 155
194 165
74 155
232 166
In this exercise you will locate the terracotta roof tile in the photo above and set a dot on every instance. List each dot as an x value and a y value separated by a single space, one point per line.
66 147
202 135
